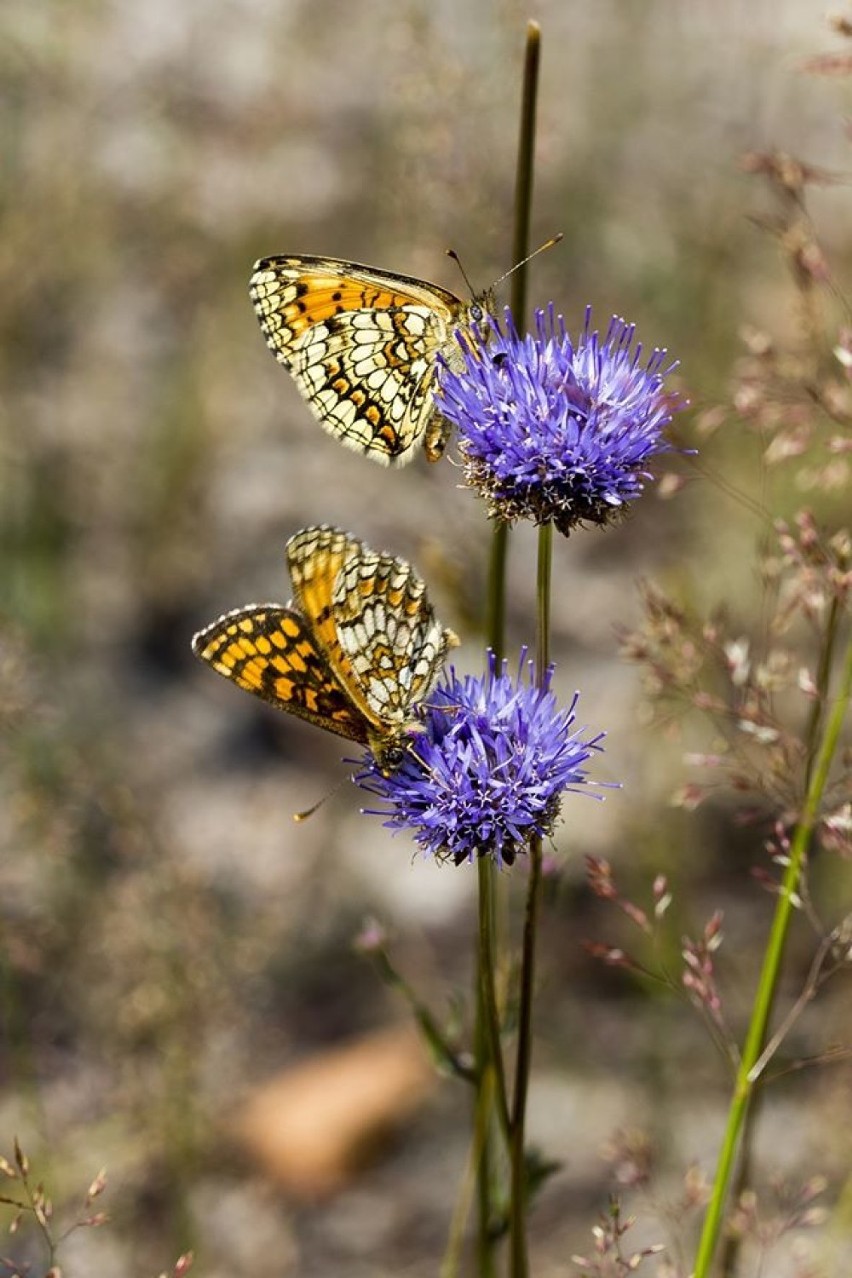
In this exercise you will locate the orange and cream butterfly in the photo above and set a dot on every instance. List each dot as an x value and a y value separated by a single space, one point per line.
355 652
362 346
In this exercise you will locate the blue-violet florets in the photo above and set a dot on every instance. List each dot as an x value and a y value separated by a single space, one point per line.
489 769
552 430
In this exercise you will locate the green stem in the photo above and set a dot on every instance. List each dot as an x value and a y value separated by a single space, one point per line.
545 561
451 1264
524 172
518 1199
733 1245
747 1075
490 1073
495 614
495 621
485 1075
518 1203
490 1080
491 1015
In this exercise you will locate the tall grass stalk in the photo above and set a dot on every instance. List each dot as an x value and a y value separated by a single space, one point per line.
751 1065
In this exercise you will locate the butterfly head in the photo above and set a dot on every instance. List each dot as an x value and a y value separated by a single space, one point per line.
471 335
480 306
391 751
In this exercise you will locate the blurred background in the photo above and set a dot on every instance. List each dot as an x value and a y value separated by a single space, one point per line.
173 945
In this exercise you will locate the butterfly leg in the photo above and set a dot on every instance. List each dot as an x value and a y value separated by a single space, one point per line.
436 437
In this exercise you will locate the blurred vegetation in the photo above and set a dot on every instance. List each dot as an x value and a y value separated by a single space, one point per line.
168 936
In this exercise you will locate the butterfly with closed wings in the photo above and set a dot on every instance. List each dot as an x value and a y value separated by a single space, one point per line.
363 347
355 652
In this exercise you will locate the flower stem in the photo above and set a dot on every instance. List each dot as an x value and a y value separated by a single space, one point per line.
490 1074
489 1070
520 248
750 1069
545 561
518 1202
495 616
451 1263
524 172
490 1011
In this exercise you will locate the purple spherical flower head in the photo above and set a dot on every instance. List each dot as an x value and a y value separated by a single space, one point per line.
489 769
557 431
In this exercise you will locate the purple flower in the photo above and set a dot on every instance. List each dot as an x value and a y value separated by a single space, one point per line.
489 769
553 430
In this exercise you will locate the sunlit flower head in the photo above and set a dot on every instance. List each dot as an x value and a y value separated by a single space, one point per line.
555 430
489 769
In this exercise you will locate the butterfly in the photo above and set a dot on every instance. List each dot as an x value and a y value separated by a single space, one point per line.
355 651
363 347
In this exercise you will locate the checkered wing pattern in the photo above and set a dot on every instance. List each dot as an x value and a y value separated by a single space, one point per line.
374 619
270 651
362 346
355 653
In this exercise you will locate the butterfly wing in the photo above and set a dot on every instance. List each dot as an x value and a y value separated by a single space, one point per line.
316 557
361 345
388 629
270 651
372 616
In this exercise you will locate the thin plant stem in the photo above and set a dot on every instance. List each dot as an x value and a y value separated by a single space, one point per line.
489 1071
491 1092
518 1197
495 621
751 1066
485 1078
491 1014
545 561
450 1265
487 1049
36 1210
524 171
518 1200
495 612
733 1244
491 1096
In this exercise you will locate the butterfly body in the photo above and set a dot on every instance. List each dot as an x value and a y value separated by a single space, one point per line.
362 346
355 652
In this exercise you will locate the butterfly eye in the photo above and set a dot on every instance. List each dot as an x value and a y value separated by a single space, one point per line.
391 758
476 312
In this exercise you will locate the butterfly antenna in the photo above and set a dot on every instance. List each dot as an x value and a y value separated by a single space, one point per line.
298 817
548 244
454 255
